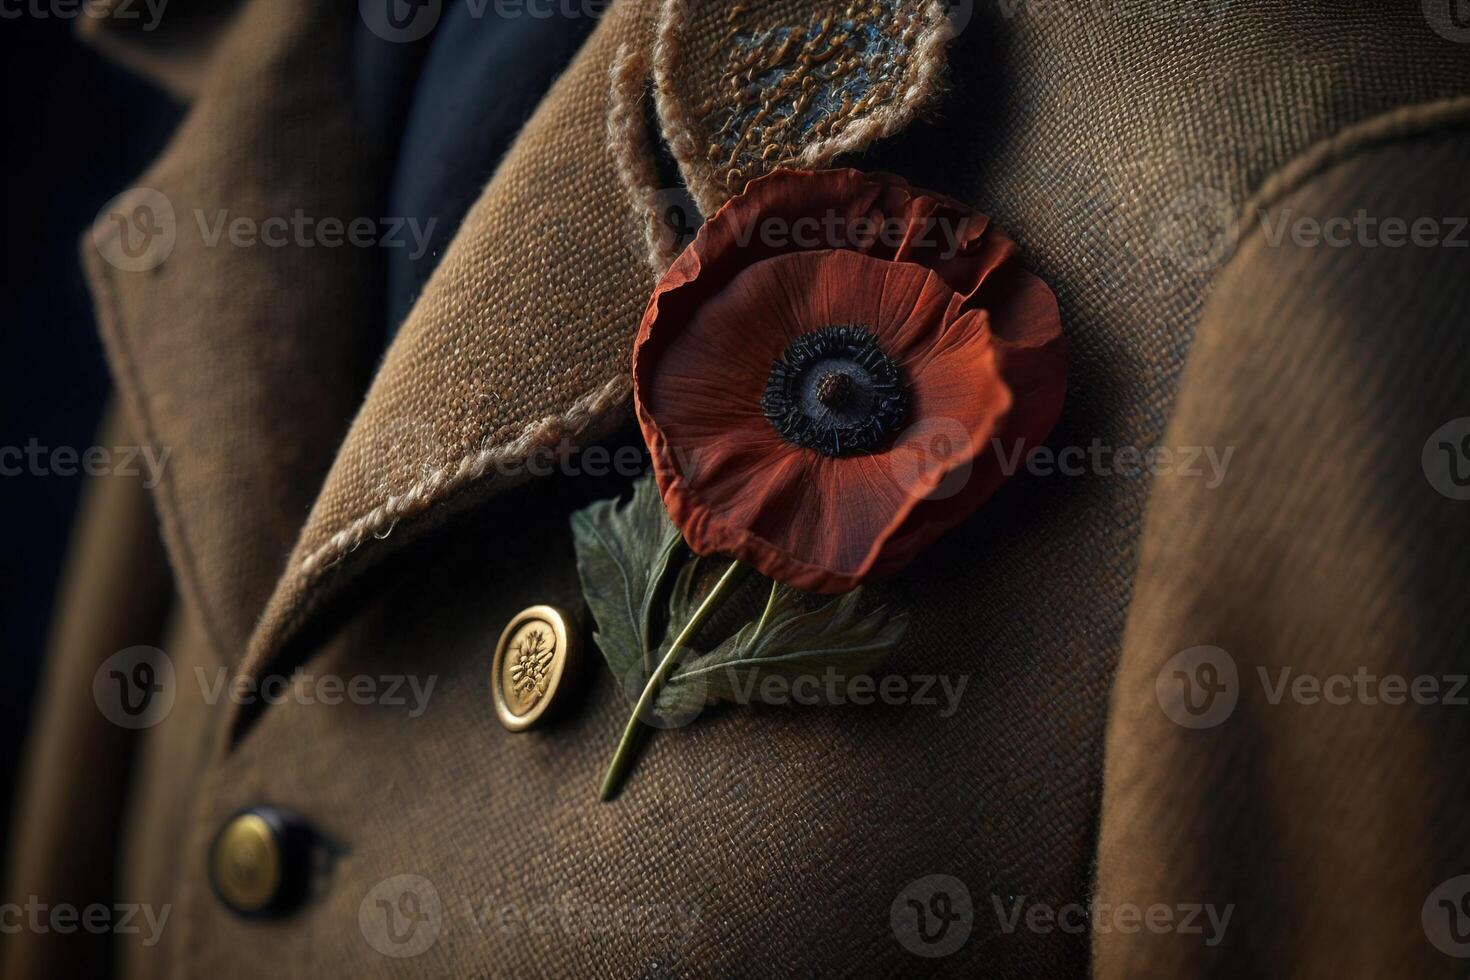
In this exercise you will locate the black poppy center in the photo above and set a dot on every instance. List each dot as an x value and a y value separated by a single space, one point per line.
835 391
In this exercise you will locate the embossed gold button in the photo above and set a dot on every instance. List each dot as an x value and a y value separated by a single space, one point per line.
257 863
535 660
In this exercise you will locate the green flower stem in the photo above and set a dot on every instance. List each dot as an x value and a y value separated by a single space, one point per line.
760 627
623 757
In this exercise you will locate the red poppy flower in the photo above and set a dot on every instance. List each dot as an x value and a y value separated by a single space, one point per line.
832 373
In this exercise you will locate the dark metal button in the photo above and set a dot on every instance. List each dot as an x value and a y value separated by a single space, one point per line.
259 862
535 661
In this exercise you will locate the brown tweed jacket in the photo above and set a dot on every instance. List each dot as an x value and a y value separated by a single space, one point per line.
327 514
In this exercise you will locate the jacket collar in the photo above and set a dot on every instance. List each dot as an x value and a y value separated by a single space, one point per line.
520 339
239 358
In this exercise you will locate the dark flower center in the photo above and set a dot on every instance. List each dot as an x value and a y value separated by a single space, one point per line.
835 391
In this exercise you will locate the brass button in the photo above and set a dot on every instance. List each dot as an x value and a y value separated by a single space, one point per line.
258 862
535 660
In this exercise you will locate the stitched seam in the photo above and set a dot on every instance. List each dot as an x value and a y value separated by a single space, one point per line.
679 122
628 139
451 477
927 73
849 129
1404 122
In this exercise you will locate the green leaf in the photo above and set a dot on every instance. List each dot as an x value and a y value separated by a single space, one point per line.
623 556
831 642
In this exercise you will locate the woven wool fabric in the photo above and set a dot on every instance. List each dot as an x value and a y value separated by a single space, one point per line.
519 340
248 361
1116 144
1326 825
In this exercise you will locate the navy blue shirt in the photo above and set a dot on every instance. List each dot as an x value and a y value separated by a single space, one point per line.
446 108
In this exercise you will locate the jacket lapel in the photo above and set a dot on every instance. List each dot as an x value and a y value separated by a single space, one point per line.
239 359
520 339
522 336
